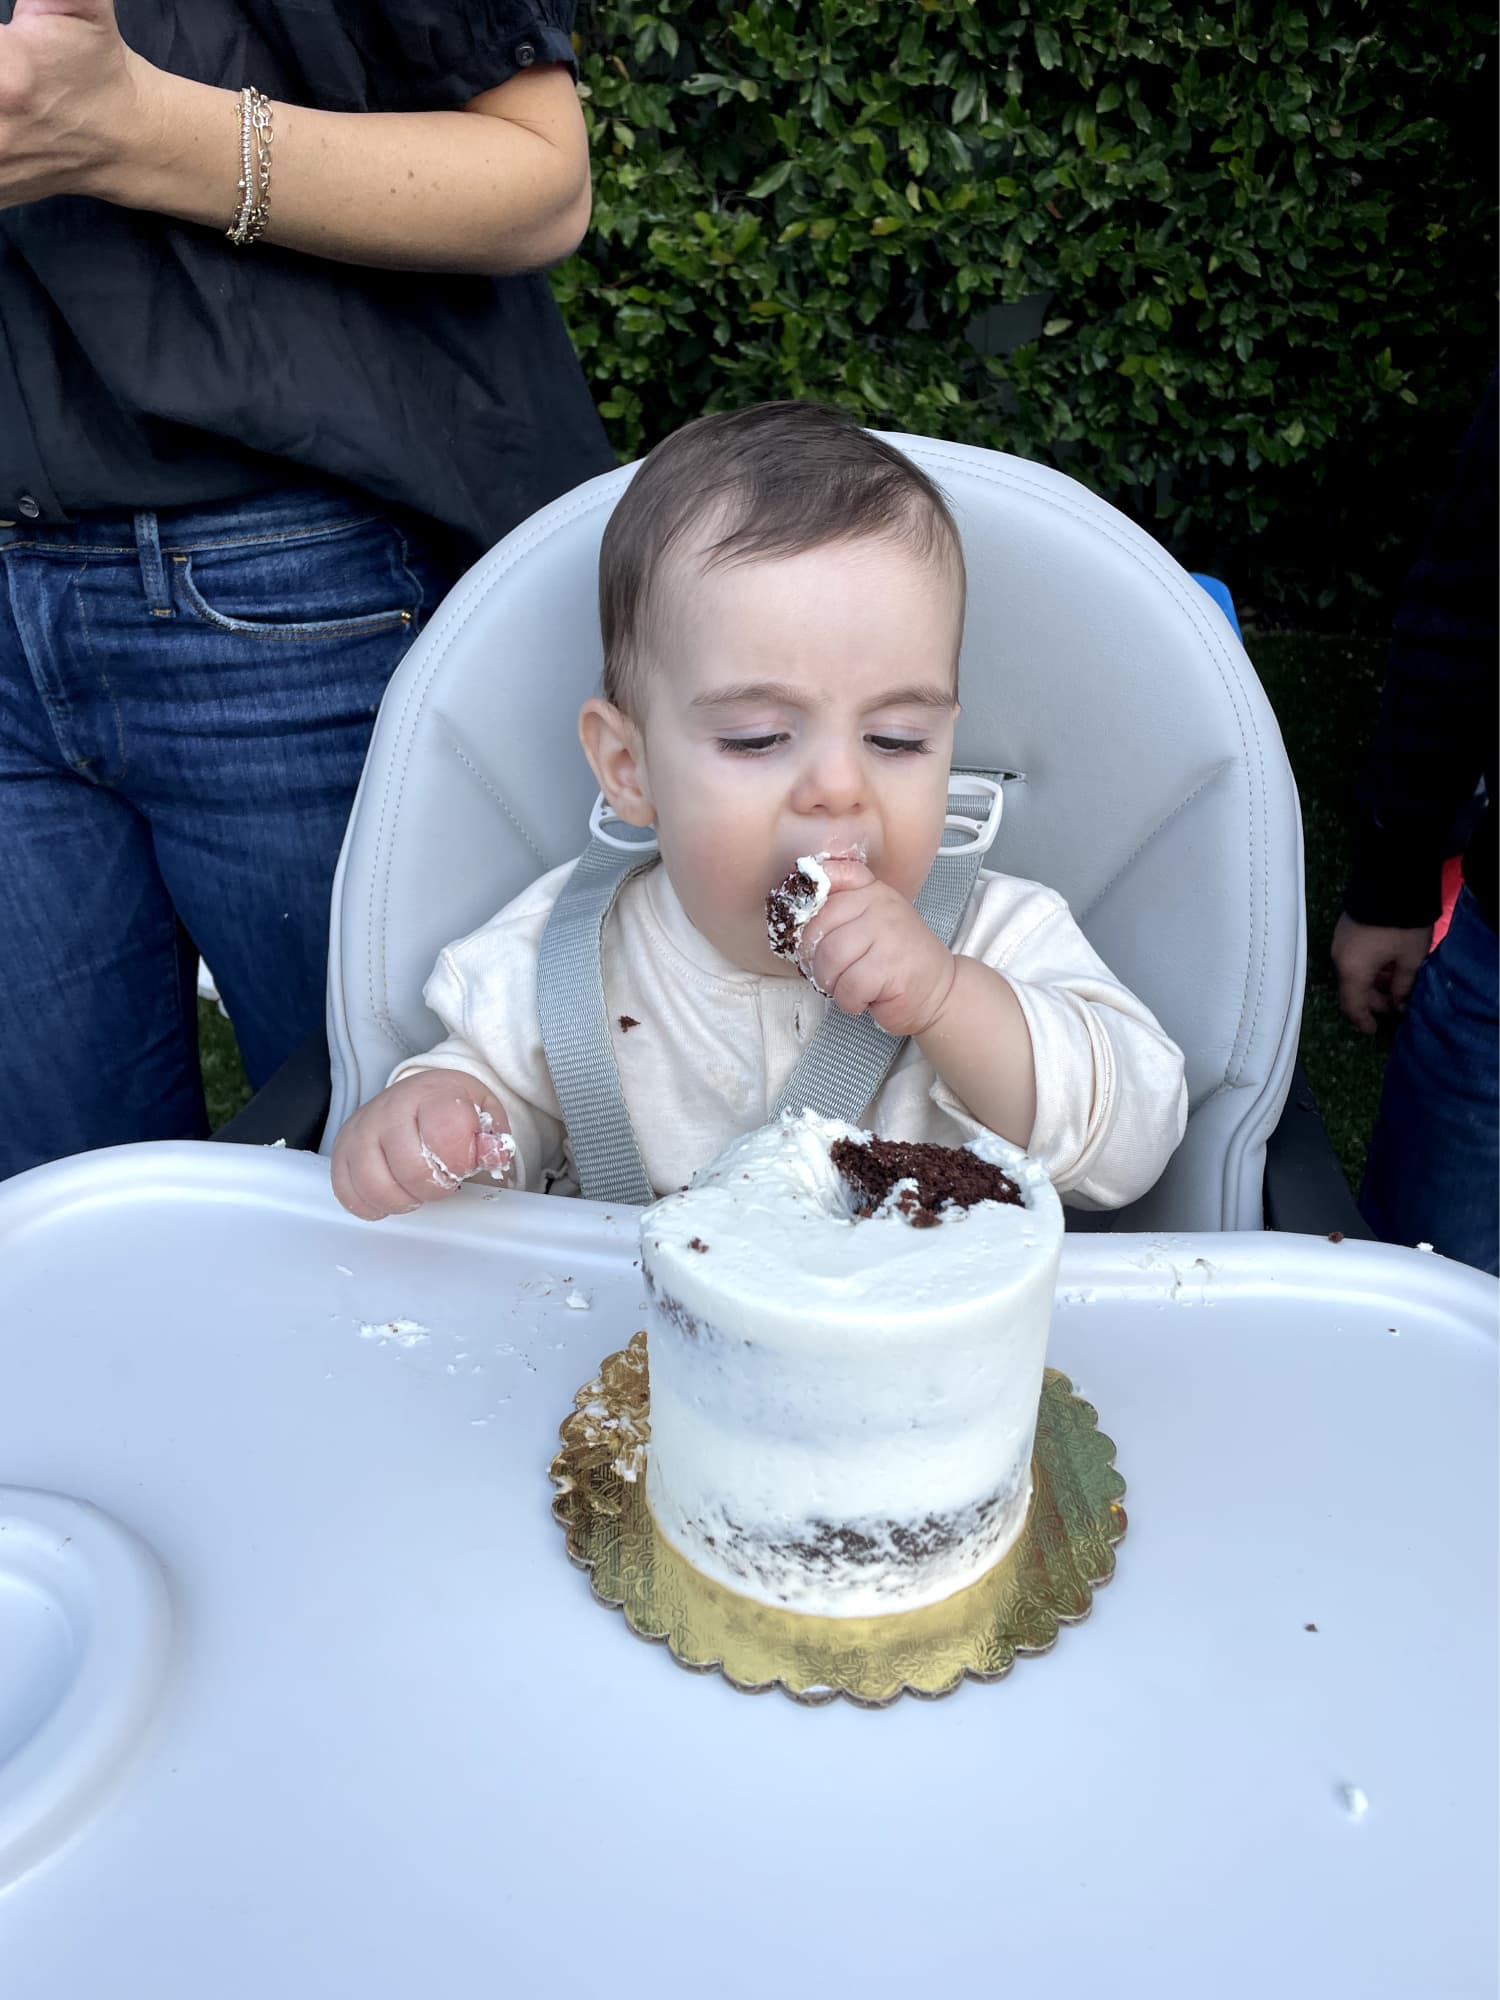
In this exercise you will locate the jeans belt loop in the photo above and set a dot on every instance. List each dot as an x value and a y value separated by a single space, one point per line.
153 575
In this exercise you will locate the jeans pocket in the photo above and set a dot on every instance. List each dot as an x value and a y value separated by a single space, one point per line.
349 583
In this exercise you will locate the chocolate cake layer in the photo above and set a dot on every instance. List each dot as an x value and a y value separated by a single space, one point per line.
943 1175
784 907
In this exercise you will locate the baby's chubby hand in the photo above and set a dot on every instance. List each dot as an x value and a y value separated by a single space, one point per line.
419 1141
870 952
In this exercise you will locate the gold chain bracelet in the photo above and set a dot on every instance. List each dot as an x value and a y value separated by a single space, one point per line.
254 112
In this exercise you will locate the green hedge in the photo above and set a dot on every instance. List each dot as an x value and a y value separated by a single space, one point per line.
1232 265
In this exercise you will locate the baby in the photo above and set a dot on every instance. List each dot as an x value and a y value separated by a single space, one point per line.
782 601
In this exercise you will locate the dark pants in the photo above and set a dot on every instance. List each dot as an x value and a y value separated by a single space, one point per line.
1432 1172
185 703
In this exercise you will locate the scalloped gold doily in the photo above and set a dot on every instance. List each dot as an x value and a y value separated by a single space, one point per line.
1046 1579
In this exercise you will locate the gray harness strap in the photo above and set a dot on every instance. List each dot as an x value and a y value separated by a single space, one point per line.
838 1072
575 1027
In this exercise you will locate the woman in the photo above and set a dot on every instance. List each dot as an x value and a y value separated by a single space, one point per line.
273 372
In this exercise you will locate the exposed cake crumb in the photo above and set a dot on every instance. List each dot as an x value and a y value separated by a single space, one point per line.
697 1243
936 1177
627 1022
1335 1235
1309 1628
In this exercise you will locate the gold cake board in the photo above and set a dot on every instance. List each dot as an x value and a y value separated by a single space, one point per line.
1045 1580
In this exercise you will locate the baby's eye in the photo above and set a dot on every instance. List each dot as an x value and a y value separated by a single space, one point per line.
749 746
900 746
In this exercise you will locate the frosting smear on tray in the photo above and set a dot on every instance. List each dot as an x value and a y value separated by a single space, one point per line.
846 1348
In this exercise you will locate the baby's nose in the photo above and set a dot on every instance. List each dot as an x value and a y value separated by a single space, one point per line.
831 781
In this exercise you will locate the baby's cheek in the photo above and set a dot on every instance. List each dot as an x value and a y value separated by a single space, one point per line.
717 849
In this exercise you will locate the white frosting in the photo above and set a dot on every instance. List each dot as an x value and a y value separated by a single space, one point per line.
843 1410
439 1172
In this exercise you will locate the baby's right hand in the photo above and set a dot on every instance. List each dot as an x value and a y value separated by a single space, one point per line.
418 1141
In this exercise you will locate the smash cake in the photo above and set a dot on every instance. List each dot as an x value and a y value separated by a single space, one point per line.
846 1341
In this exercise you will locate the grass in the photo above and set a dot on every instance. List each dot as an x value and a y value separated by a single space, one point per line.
225 1085
1324 692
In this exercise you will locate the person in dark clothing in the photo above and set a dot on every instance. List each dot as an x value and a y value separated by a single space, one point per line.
277 361
1432 1173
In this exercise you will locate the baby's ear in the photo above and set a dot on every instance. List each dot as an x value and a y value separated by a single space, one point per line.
612 743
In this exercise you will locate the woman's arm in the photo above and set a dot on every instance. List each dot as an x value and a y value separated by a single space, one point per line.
500 185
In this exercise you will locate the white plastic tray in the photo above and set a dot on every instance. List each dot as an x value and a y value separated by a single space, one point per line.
397 1750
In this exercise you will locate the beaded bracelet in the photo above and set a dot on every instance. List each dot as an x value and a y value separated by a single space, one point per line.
254 112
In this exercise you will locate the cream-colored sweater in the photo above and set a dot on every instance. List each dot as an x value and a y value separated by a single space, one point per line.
703 1048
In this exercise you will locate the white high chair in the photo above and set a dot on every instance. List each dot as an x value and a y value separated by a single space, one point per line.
1155 792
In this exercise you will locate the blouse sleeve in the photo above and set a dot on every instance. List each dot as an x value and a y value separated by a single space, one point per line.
424 55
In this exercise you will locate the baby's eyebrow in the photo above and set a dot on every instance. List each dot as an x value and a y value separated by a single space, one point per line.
788 696
751 691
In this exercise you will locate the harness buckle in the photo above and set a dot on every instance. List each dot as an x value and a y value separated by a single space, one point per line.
643 842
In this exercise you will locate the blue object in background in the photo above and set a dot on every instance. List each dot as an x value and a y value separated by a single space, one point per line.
1219 592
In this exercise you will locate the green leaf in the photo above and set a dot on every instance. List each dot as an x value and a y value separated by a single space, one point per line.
769 182
1241 234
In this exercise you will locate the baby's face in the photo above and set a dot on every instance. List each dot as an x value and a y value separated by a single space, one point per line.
802 705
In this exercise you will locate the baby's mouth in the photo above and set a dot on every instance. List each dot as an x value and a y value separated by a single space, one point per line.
854 849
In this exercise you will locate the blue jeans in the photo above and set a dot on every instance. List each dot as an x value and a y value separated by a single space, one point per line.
1433 1172
185 703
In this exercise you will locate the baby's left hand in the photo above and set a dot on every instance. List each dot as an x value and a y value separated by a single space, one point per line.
870 952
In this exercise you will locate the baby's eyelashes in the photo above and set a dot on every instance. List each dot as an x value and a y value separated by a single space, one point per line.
886 746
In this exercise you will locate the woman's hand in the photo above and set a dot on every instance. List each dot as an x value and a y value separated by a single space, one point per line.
1377 965
68 95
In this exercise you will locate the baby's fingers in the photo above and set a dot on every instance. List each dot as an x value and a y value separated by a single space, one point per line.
839 966
846 871
364 1183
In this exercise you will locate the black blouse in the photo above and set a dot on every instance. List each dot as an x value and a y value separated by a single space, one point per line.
146 363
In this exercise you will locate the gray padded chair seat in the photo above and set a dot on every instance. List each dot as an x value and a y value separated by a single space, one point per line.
1155 792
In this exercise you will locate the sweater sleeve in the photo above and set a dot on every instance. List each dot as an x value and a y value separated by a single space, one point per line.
483 991
1111 1099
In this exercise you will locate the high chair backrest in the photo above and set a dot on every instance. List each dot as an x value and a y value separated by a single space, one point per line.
1154 791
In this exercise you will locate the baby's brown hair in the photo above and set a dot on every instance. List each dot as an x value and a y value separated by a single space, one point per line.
774 480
